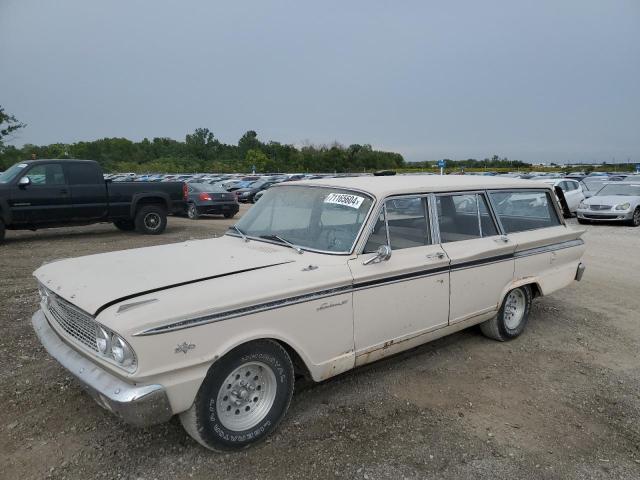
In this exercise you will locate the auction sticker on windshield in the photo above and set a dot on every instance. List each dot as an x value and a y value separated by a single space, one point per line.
353 201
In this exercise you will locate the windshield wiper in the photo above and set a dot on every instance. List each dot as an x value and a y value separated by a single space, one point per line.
282 240
244 237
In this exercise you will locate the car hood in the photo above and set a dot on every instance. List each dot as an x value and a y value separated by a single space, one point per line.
96 281
611 199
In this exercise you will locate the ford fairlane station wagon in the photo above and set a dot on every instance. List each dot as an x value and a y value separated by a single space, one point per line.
335 273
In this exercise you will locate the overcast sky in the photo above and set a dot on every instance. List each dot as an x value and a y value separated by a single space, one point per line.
555 80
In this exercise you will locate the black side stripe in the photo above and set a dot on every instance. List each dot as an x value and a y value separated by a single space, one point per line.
229 314
180 284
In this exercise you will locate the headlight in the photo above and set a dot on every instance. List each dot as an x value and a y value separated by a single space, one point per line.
115 348
121 351
623 206
103 341
244 194
582 205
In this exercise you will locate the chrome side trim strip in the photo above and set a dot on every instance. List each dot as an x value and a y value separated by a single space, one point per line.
285 302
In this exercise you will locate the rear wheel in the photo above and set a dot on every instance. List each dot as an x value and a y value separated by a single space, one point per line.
192 211
151 219
243 398
512 316
125 225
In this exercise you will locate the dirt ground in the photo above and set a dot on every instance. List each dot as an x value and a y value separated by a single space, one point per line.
561 401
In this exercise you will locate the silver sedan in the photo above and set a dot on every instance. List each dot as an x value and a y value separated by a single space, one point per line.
613 202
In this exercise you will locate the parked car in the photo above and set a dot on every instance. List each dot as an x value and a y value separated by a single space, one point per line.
205 199
247 194
52 193
619 201
571 189
335 273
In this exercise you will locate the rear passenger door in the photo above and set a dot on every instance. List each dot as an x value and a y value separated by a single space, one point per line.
88 192
405 296
481 259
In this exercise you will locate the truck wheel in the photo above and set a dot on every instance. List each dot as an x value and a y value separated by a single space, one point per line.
192 211
125 225
2 231
512 317
151 219
243 398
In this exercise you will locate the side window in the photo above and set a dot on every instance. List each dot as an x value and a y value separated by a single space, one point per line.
47 174
84 174
524 210
408 224
572 185
464 217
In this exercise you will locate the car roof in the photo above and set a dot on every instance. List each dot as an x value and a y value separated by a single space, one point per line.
61 160
407 184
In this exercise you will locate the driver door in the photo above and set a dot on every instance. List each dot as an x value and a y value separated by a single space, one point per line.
397 300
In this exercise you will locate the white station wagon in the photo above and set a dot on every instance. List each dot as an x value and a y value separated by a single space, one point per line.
317 278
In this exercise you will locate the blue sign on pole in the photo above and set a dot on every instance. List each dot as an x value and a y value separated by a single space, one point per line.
441 163
637 167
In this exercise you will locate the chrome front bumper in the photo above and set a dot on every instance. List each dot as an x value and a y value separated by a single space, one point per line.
139 405
605 215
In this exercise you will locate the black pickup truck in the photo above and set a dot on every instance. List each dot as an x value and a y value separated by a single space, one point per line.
53 193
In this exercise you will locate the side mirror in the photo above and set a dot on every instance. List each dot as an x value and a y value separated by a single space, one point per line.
382 255
24 181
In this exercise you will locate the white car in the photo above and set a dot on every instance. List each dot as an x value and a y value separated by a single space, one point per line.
572 191
319 277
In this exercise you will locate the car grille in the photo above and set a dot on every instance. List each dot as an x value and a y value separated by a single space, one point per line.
600 217
600 207
76 323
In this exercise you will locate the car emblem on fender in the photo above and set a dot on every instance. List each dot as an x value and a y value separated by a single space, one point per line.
184 347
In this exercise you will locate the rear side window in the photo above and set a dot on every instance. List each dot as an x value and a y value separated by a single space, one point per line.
464 217
524 210
84 174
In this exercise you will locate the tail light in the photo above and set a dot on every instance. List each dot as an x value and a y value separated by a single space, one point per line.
204 197
185 191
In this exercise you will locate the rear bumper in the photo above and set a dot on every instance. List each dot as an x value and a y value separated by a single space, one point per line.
139 405
218 208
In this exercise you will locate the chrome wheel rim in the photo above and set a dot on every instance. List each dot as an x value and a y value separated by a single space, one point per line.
152 221
636 217
246 396
192 211
514 308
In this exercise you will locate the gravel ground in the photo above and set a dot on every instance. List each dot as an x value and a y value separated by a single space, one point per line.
562 401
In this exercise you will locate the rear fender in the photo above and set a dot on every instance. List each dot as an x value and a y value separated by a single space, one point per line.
151 197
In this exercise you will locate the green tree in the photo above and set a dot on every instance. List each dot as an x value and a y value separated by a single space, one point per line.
8 125
255 159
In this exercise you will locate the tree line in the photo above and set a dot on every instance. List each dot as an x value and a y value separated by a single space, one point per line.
201 151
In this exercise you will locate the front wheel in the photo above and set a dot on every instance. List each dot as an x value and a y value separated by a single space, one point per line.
2 231
243 398
635 220
512 316
151 220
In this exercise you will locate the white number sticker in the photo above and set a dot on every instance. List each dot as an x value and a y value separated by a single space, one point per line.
22 165
347 200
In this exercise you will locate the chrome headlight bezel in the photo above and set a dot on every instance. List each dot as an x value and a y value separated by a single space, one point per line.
623 206
115 349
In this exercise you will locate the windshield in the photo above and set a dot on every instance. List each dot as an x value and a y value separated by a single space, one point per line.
626 190
315 218
12 172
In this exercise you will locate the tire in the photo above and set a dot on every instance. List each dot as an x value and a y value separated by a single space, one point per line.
229 215
512 316
582 221
2 231
208 422
151 219
635 221
192 211
125 225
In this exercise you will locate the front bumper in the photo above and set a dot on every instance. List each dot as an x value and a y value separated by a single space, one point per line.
605 215
139 405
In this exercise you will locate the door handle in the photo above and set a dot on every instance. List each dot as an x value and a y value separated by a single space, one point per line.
438 255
